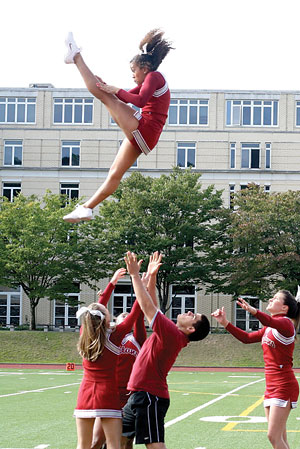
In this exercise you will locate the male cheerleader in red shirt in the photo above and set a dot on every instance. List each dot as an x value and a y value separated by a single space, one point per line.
144 413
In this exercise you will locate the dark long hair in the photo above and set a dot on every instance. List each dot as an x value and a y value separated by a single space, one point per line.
155 48
294 307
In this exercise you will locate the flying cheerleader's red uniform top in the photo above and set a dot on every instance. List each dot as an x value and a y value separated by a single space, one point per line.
278 340
153 96
98 395
129 348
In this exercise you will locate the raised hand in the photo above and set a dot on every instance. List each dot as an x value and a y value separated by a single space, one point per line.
118 274
132 264
246 306
220 316
154 263
107 88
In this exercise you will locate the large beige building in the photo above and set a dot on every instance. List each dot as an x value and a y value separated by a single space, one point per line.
64 140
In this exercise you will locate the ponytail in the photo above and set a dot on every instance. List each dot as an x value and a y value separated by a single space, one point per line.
293 307
93 334
154 49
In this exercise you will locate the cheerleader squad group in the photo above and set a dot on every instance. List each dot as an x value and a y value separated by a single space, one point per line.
124 396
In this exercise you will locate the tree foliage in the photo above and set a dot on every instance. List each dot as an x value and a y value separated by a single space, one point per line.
172 214
264 246
42 253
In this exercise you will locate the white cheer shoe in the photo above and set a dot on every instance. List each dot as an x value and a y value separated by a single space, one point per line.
80 213
72 47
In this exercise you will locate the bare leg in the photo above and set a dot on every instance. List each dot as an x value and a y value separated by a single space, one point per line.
121 112
126 156
84 432
113 430
277 418
98 435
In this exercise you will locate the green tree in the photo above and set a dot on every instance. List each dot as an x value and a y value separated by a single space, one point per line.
264 250
172 214
42 253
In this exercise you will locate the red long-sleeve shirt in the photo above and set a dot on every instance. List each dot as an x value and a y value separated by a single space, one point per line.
277 338
153 96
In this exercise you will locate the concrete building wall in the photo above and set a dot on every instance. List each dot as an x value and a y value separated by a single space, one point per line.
100 140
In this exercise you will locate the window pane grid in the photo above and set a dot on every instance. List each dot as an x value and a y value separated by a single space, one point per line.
70 154
250 155
73 110
188 112
252 113
182 301
186 154
17 110
11 189
13 152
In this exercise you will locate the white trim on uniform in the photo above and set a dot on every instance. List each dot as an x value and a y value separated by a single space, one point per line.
98 413
111 346
161 91
141 141
278 403
130 337
281 338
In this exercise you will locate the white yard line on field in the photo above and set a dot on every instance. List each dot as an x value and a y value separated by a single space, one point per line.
38 390
194 410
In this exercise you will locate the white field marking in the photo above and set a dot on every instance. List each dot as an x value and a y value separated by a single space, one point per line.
251 377
40 390
42 446
207 404
235 419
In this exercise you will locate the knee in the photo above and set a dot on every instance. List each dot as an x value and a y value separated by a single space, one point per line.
272 438
115 174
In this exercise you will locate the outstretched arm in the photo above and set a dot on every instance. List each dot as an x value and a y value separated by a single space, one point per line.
284 326
103 297
152 270
142 296
239 334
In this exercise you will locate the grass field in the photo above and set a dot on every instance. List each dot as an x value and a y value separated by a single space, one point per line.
60 347
209 410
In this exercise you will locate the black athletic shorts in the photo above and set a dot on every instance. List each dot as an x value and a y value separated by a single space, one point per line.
144 417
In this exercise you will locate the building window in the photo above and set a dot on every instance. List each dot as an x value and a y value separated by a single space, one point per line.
231 196
123 299
297 113
243 319
17 110
252 113
13 150
10 308
188 112
268 155
186 154
183 300
11 189
232 154
70 153
267 188
70 190
250 155
65 312
73 110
